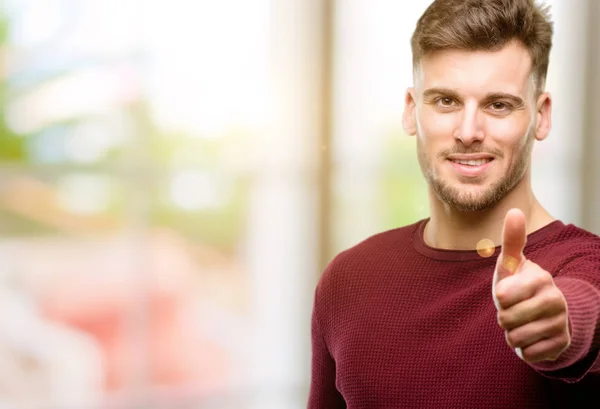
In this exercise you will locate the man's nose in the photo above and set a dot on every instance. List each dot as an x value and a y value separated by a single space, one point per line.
470 126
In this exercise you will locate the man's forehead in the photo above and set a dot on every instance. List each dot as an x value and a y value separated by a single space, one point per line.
478 72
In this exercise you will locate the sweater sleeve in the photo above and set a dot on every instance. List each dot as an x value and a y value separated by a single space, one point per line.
579 282
323 392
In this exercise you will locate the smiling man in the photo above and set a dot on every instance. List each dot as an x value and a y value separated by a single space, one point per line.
426 316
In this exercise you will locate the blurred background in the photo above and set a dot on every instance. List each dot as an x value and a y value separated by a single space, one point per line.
175 175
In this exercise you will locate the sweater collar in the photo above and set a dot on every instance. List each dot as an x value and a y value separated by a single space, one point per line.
464 255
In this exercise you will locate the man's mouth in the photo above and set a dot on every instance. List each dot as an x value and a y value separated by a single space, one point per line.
472 162
471 165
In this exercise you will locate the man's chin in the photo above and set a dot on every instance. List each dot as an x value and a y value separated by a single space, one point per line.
474 200
470 206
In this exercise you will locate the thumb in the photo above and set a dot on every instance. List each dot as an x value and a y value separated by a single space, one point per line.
514 238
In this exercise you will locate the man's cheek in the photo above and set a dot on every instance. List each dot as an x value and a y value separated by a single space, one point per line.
439 127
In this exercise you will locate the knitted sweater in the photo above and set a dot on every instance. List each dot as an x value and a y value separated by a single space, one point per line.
398 324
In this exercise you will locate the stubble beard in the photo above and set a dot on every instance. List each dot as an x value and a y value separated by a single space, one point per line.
463 200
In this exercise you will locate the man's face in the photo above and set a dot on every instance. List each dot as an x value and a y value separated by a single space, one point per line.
476 117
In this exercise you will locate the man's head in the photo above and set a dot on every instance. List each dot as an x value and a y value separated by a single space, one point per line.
479 70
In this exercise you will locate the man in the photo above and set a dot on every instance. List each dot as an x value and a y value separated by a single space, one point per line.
490 302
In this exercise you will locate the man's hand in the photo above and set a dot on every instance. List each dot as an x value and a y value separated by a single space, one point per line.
531 309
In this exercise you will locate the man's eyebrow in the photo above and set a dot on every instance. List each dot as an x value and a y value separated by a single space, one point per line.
447 92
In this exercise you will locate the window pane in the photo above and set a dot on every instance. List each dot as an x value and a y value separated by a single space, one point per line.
377 175
155 210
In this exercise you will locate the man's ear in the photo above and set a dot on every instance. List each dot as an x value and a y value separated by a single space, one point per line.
543 116
409 117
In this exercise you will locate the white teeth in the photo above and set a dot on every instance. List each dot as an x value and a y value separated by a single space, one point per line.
477 162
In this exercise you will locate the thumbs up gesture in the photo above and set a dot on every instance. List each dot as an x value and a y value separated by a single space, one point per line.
531 309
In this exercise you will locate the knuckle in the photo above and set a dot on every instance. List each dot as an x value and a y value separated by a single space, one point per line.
540 277
513 339
556 296
551 298
560 323
554 355
503 319
565 342
533 356
501 293
558 346
528 356
544 277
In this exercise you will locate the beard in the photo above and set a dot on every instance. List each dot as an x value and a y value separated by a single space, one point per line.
472 198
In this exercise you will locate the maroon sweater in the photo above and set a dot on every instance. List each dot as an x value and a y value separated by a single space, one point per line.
398 324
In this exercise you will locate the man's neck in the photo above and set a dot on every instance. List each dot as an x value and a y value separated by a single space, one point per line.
454 230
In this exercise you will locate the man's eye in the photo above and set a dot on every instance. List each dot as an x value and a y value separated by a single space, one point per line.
445 102
499 106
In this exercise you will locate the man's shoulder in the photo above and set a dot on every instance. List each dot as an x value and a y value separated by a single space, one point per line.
567 247
574 231
380 242
571 236
578 242
370 252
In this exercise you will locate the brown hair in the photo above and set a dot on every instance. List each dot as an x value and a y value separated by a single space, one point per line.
486 25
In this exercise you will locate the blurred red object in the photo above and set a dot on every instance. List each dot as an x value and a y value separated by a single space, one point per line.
141 324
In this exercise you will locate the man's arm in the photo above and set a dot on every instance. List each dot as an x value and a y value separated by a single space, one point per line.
552 320
323 392
582 355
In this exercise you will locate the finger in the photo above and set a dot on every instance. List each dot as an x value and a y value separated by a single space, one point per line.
513 234
528 311
527 334
514 238
547 349
530 281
